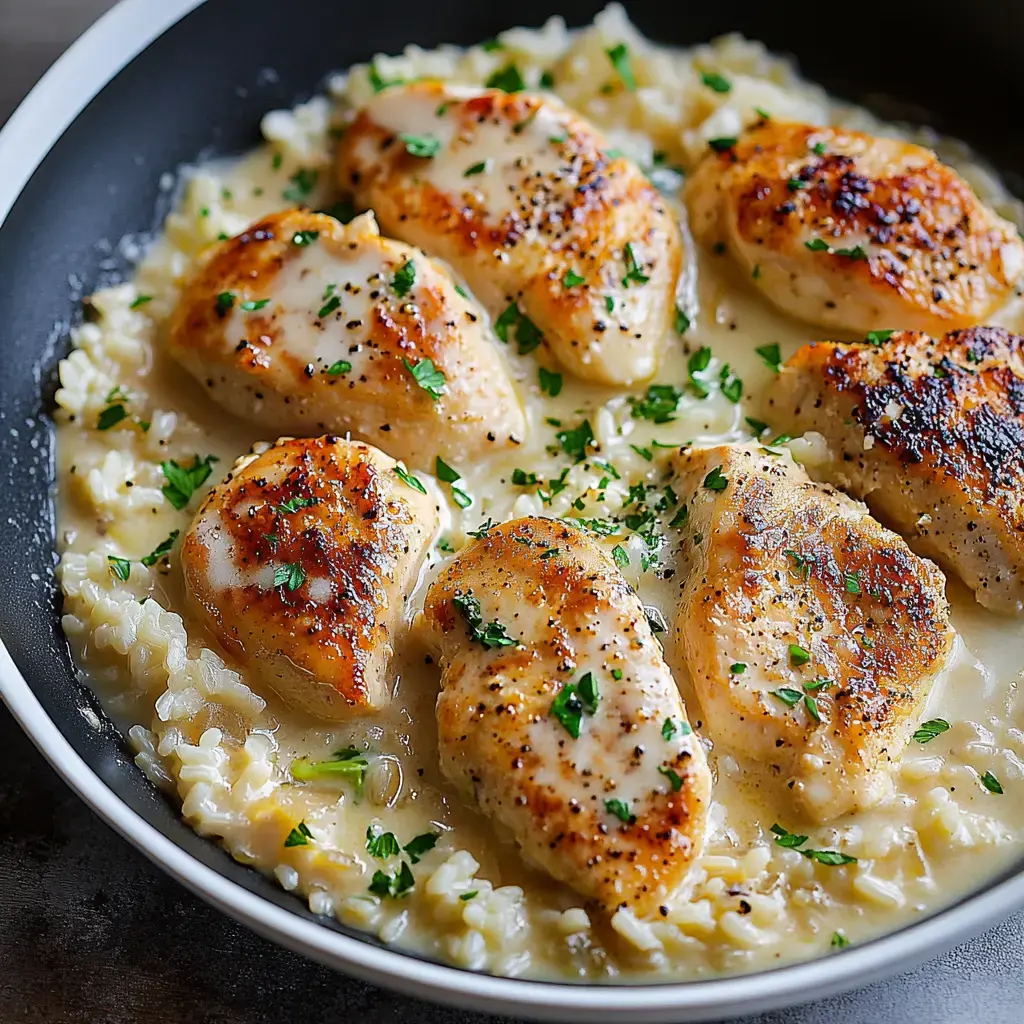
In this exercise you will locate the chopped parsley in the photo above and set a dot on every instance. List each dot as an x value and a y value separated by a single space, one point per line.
182 481
490 45
788 696
251 305
879 337
621 811
731 385
616 674
856 252
294 503
291 576
110 416
547 80
550 382
379 84
576 441
408 479
737 668
715 81
474 169
696 364
419 846
851 582
466 896
461 498
404 279
140 300
587 688
644 453
338 368
796 184
670 727
759 427
812 707
790 840
428 377
303 181
528 337
299 836
619 57
818 149
832 857
444 472
991 783
716 480
682 321
224 302
621 556
771 355
489 635
658 403
161 550
567 708
572 280
348 764
381 844
507 79
423 146
304 238
393 884
673 777
839 941
722 144
120 567
798 655
634 269
927 731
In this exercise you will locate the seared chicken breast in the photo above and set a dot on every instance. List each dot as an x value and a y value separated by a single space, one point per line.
559 717
931 434
854 232
299 564
307 326
811 633
568 245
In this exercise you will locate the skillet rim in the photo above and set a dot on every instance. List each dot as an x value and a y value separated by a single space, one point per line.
90 64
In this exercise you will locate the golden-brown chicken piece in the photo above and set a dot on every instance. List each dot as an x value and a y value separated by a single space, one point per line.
306 326
854 232
559 717
569 246
811 633
299 563
931 435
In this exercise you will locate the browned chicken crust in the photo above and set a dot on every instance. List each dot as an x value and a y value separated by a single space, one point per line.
617 812
299 563
306 326
931 434
523 198
812 634
855 232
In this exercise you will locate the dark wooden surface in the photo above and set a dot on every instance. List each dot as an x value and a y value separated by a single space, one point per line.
92 933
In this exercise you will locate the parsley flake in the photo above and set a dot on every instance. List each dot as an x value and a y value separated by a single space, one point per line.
715 81
428 377
404 279
120 567
879 337
338 368
182 481
161 550
489 635
444 472
381 845
621 556
507 79
619 57
299 836
567 708
991 783
576 441
927 731
673 777
419 846
658 403
621 811
408 479
550 382
290 575
771 355
716 480
422 146
634 270
572 280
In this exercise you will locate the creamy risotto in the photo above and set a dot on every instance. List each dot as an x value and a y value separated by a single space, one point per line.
379 838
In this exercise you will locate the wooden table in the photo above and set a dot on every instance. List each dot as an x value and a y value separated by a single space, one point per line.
92 933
